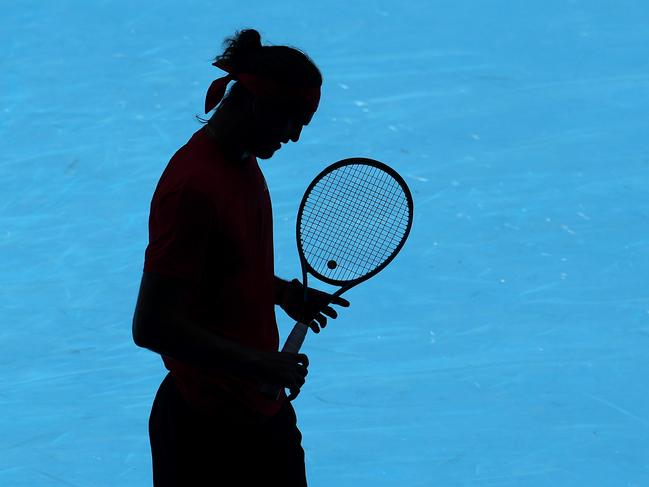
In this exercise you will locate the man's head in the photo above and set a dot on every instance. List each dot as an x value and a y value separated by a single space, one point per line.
274 123
251 118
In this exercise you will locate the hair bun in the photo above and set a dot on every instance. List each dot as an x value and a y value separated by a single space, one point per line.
249 40
240 50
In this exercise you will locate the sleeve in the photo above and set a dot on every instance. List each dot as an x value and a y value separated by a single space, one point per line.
180 224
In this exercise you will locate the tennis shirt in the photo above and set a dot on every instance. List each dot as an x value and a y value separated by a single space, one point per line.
210 225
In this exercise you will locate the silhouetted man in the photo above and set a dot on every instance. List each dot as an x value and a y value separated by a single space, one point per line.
208 291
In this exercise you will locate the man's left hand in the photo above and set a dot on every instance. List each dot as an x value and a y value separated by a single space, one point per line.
315 310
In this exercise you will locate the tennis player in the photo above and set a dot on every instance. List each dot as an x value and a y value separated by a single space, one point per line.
208 290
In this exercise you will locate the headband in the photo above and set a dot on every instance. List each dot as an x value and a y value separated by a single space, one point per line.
259 86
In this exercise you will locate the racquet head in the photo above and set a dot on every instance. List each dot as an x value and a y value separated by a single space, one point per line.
354 218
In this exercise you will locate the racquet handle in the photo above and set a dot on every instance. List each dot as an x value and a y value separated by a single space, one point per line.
295 338
292 345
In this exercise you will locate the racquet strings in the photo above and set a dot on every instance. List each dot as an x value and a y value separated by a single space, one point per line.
353 220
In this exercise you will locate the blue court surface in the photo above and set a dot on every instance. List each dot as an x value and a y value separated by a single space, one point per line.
506 345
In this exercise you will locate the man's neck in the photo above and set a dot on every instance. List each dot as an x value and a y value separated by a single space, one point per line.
232 150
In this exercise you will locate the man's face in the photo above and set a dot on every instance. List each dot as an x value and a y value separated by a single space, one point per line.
276 124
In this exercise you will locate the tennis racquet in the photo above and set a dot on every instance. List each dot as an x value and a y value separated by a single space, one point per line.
354 218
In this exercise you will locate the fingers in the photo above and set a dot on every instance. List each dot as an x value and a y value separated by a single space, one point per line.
340 301
303 359
330 312
326 298
302 371
318 320
319 308
302 363
300 380
297 382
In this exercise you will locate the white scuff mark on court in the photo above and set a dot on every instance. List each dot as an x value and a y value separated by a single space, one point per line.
343 86
409 96
418 178
619 409
360 103
585 217
537 289
393 128
568 229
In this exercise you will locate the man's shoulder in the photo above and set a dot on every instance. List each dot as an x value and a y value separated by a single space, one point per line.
195 168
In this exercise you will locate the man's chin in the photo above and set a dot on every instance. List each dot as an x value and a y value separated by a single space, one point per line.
266 152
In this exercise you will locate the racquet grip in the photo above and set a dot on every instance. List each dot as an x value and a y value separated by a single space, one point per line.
295 338
292 345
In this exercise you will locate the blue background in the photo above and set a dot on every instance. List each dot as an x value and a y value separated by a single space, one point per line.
507 345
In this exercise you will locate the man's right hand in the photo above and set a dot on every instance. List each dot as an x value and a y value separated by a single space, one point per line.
283 369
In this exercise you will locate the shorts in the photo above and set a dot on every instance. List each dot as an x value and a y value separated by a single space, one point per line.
189 449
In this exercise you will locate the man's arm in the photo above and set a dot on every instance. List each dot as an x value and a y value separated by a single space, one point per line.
159 324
